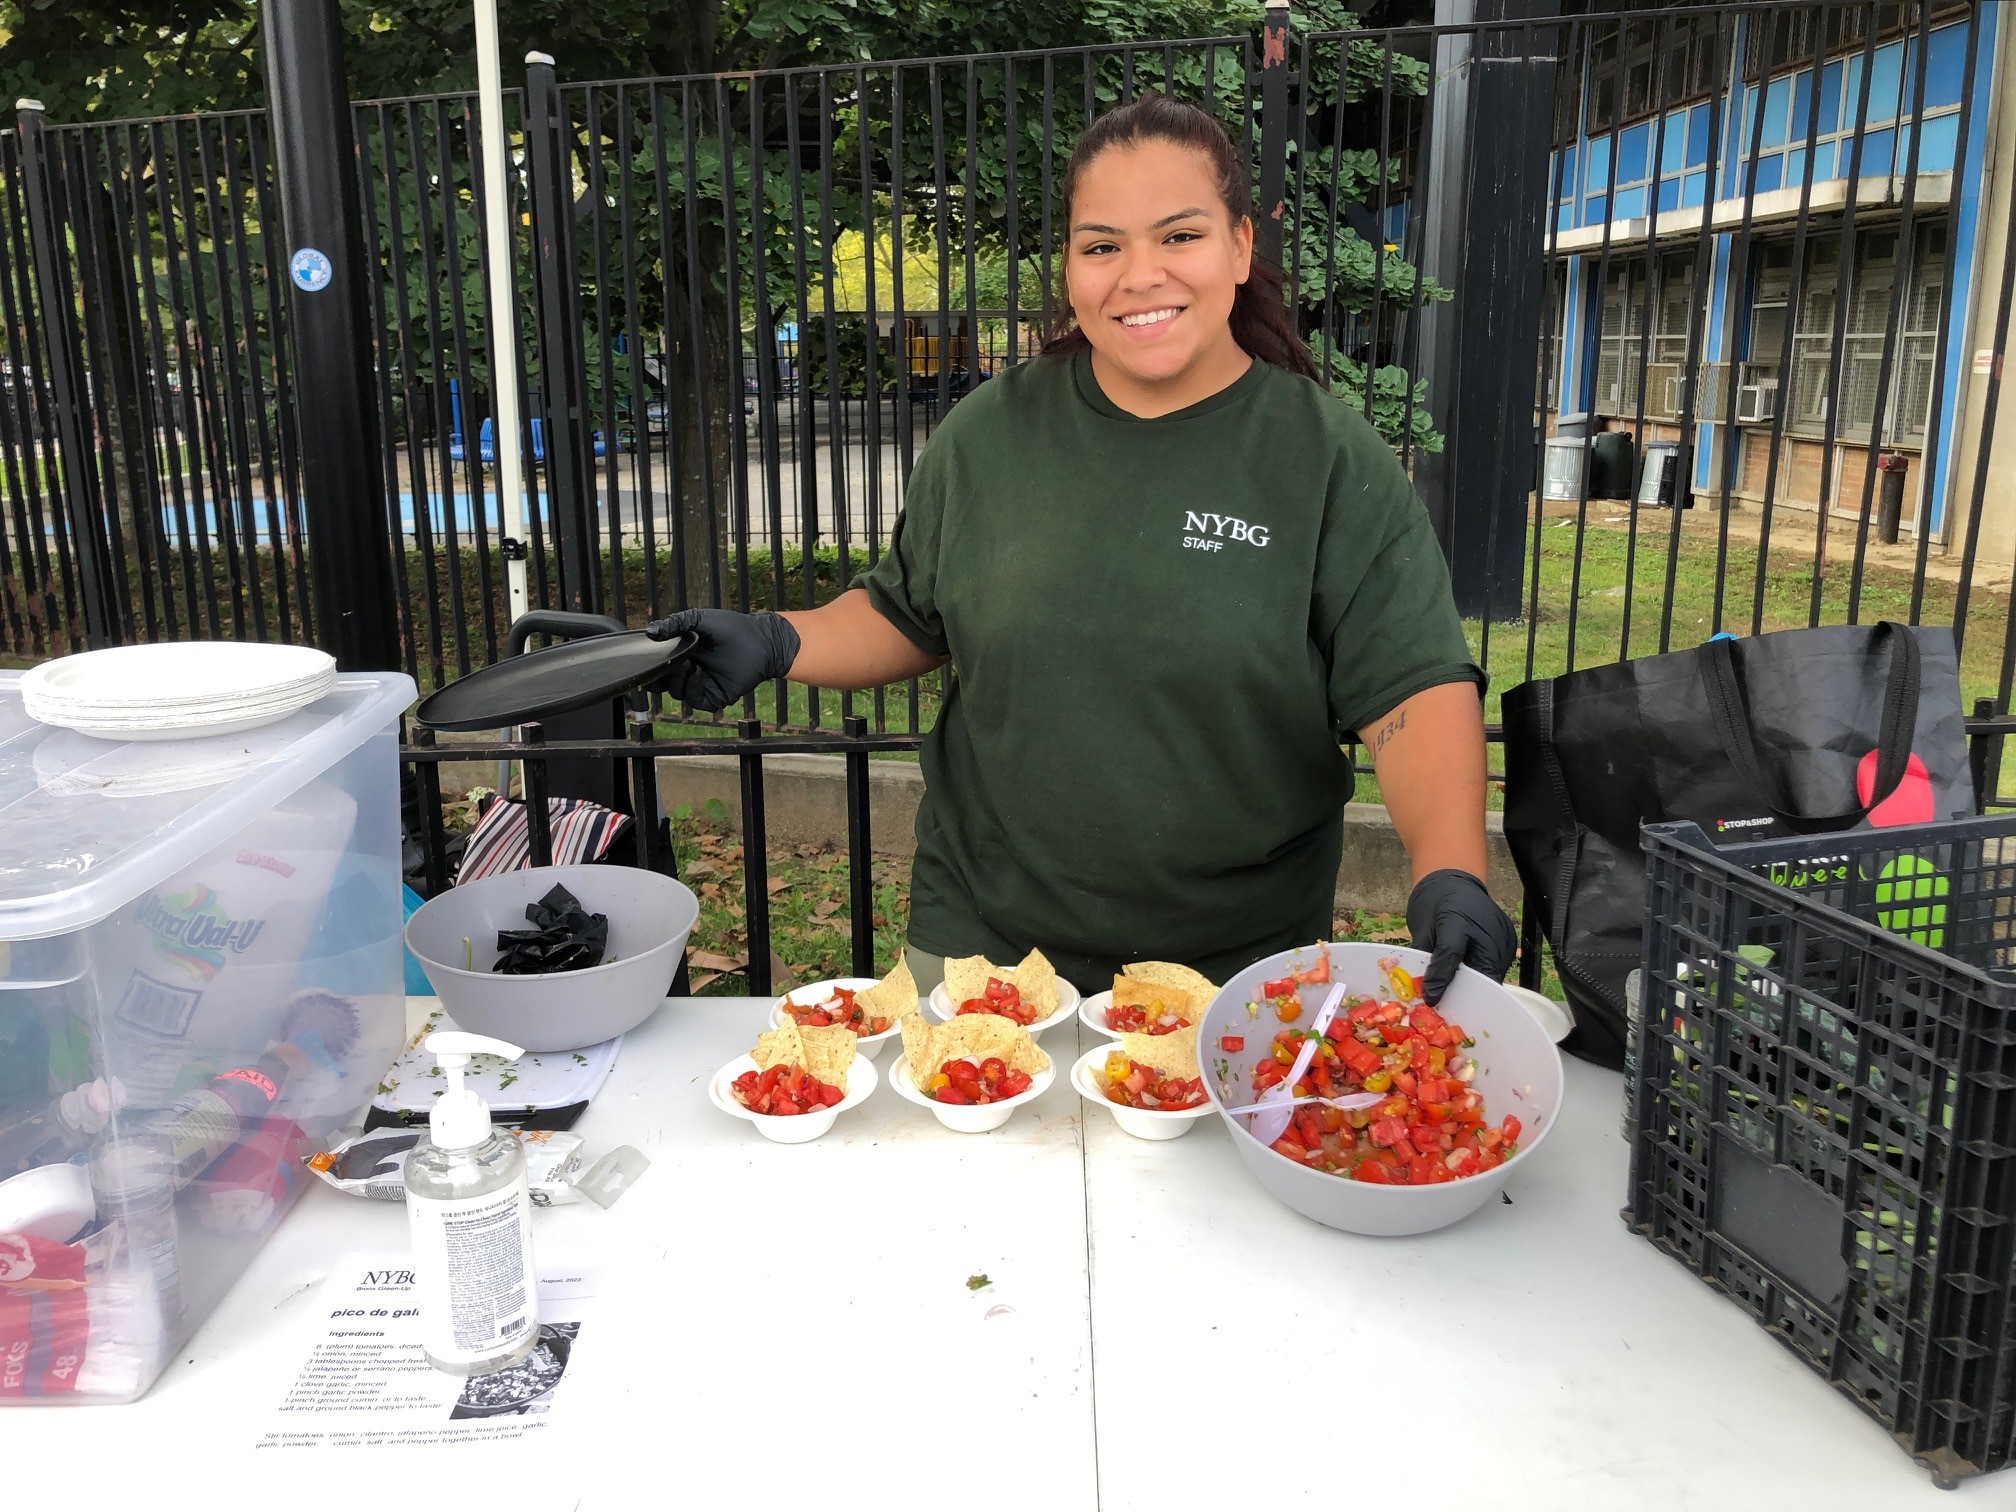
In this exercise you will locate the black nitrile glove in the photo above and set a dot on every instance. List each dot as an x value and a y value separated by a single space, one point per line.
736 652
1452 917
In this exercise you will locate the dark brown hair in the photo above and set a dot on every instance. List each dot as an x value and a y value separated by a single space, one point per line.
1260 321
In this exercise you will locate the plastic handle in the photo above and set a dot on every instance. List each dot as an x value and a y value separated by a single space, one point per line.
1729 707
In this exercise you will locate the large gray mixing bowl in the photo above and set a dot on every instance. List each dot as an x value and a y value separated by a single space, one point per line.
649 918
1518 1071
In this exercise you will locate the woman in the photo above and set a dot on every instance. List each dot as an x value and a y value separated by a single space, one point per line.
1171 572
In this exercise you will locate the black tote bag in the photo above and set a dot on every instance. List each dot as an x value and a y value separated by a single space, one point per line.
1749 739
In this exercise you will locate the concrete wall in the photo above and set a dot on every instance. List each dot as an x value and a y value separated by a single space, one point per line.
805 802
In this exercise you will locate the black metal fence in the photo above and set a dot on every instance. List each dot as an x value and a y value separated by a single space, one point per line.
1744 247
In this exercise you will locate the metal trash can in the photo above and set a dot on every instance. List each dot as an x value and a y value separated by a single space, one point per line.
1567 457
1659 484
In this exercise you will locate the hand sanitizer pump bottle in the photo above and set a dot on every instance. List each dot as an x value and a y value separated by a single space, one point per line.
471 1214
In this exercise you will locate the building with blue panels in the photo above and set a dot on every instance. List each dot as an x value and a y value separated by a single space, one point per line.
1776 244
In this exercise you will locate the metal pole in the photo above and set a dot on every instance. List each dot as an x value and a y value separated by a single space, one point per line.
569 437
1273 129
67 390
1890 505
504 362
1485 212
314 155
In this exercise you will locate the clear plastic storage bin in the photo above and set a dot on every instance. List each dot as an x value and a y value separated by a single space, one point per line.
201 974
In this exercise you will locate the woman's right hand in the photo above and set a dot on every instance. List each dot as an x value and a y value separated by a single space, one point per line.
736 653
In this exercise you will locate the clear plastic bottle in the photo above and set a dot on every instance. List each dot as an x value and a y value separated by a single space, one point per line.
470 1208
133 1180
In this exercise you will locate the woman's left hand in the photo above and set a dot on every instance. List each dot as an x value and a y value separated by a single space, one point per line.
1453 918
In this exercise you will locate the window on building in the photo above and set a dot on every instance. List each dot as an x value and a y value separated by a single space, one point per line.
1787 38
1793 116
1643 341
1852 377
1624 69
1568 94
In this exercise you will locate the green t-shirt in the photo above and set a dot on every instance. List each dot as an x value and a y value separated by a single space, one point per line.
1160 630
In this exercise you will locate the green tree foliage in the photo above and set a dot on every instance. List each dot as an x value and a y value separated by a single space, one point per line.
114 58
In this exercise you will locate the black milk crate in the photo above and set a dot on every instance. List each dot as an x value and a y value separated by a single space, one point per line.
1826 1110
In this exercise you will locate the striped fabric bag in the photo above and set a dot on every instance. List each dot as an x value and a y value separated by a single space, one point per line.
502 840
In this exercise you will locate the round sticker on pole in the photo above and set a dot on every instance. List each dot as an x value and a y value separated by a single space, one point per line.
311 270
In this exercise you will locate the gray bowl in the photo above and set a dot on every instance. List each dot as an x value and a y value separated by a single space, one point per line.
1518 1071
650 917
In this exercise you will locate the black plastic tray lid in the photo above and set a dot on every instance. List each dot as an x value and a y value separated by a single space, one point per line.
554 680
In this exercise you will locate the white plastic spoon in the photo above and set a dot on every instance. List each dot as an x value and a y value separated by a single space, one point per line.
1275 1103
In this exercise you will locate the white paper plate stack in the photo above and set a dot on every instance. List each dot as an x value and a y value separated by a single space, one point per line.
177 690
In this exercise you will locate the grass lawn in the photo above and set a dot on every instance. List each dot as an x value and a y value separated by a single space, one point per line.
1594 605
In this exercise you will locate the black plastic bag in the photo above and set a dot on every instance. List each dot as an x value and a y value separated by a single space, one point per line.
1749 739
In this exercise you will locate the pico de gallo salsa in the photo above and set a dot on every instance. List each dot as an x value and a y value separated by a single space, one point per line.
1133 1085
1431 1127
1135 1018
838 1011
968 1083
1003 999
783 1091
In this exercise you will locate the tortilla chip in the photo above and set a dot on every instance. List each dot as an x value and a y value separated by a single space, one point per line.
893 996
1036 980
980 1035
780 1047
1173 1054
926 1047
1129 992
829 1053
1167 974
966 977
919 1036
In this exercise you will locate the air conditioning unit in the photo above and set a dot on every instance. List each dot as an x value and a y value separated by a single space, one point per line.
1663 388
1757 403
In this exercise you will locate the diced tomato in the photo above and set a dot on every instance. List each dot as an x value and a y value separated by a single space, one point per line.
1361 1059
1319 973
1232 1044
1288 1009
1281 987
784 1091
1388 1131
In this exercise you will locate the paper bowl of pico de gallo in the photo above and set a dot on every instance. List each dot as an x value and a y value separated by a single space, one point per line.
1472 1087
734 1089
1130 1077
837 1002
1030 994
